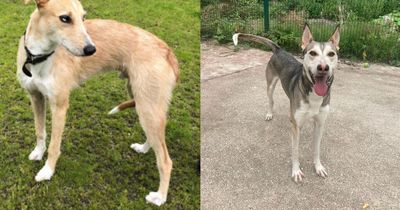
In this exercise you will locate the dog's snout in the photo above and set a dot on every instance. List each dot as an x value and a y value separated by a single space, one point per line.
89 50
323 67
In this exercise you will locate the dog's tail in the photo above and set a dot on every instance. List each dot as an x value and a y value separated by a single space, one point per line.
122 106
254 38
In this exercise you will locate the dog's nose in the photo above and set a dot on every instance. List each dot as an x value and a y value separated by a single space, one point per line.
89 49
322 67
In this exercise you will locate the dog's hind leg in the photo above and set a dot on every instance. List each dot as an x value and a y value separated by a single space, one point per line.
272 79
153 120
39 110
319 122
140 148
152 93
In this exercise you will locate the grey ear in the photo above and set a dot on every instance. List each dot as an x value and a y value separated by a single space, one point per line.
307 37
335 38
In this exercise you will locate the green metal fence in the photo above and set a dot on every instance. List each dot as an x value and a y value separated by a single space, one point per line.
369 28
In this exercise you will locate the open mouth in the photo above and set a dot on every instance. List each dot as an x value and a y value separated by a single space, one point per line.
320 84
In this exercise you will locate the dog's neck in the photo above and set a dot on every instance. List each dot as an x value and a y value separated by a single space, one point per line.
305 82
35 40
36 51
306 75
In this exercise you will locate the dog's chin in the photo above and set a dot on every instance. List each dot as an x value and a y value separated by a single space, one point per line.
320 84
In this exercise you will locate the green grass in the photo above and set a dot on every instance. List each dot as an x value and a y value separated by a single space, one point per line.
97 169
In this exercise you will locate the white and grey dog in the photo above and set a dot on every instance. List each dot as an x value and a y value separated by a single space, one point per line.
307 85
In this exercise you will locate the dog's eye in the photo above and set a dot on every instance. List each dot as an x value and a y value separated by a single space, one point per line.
331 54
84 18
313 53
65 19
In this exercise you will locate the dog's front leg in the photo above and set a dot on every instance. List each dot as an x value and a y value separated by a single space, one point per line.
319 122
297 174
297 120
39 111
59 106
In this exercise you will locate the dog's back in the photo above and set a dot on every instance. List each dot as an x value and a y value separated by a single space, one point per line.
281 64
287 68
111 41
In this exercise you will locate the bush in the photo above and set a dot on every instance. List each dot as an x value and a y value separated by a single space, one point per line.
220 19
363 35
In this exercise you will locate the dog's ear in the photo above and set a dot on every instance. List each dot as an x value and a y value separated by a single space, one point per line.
39 3
307 37
335 38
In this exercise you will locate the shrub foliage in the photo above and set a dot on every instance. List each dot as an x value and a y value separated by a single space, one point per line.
370 29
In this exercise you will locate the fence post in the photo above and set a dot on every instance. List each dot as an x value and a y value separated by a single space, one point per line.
266 15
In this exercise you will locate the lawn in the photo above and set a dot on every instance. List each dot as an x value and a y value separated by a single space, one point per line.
97 169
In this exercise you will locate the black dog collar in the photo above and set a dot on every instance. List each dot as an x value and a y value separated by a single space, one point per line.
33 59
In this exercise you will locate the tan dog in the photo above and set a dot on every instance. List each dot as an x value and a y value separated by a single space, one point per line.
60 50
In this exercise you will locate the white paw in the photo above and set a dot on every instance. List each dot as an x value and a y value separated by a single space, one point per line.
140 148
268 117
45 173
320 170
37 153
297 175
155 198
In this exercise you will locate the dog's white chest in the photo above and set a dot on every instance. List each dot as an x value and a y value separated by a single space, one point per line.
314 105
310 109
41 80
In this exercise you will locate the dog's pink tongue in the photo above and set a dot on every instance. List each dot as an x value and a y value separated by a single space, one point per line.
320 86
